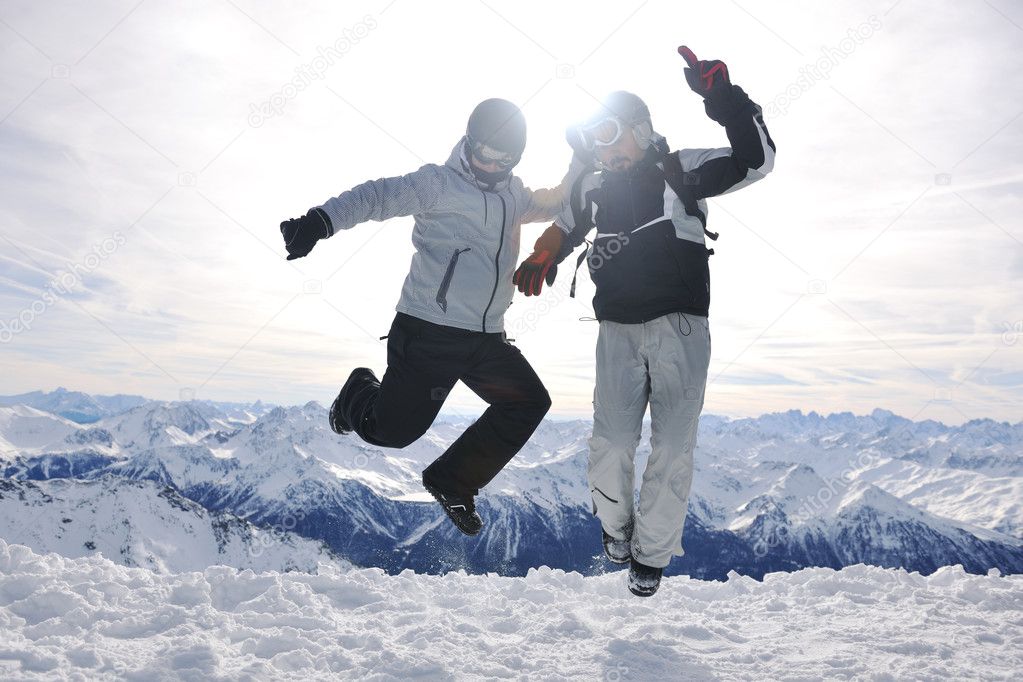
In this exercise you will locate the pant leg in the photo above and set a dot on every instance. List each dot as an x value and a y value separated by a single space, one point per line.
678 353
423 363
619 402
500 375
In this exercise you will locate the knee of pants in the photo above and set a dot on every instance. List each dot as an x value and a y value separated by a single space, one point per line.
402 435
619 445
616 430
533 409
543 403
541 406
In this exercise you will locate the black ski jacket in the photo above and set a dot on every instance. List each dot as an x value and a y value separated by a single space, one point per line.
649 255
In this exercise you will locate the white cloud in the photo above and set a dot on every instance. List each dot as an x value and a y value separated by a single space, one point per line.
149 134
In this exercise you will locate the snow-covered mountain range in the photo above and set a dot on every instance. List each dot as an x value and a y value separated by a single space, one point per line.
85 408
777 492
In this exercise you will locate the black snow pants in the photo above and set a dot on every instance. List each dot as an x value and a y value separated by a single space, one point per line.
424 360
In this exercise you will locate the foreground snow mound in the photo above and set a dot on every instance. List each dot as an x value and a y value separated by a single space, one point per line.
89 618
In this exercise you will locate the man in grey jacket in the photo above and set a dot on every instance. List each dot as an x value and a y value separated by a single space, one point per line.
450 317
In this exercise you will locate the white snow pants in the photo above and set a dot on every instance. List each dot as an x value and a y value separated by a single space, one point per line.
663 362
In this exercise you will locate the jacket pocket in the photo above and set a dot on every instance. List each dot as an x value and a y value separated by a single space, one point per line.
691 261
398 339
442 291
607 249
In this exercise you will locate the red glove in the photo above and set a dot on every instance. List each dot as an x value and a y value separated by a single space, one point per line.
702 75
542 263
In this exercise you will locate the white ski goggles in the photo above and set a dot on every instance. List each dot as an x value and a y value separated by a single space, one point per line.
603 133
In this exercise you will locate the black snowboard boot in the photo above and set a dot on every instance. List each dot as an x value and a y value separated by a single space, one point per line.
644 580
338 422
617 551
460 509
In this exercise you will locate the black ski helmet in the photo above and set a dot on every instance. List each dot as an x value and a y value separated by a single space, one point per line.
500 124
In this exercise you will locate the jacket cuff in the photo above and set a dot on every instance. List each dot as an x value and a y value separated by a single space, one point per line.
322 216
726 103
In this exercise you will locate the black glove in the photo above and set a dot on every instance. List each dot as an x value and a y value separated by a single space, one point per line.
709 79
301 234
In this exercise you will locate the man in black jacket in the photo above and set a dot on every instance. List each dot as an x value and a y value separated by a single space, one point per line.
649 262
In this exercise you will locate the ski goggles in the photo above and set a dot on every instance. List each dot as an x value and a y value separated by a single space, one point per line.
488 155
603 133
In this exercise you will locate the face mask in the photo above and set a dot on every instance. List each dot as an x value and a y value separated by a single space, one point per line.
487 178
490 178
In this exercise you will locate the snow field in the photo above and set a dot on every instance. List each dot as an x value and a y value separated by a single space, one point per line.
89 618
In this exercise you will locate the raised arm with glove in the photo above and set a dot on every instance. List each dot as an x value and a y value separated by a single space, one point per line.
751 153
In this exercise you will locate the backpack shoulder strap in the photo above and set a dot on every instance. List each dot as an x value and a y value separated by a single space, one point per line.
582 212
676 179
582 215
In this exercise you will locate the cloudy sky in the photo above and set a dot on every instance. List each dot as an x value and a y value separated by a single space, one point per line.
151 149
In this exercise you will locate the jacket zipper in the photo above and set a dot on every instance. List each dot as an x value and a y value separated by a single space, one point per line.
442 292
632 202
497 258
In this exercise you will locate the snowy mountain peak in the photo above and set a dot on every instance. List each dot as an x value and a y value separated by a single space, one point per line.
75 405
143 523
27 428
155 424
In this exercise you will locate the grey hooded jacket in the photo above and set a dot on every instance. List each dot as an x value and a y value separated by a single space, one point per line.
466 238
